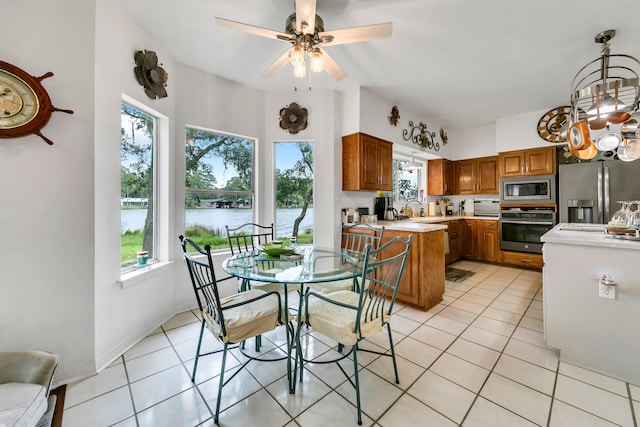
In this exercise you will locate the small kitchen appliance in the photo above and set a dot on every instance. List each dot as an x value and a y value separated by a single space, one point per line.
381 206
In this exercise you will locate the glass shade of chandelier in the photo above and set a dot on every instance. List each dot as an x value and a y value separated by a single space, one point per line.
299 64
605 99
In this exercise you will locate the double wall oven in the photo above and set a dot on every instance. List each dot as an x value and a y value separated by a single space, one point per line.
527 211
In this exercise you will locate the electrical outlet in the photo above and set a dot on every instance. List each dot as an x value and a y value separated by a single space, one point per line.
606 291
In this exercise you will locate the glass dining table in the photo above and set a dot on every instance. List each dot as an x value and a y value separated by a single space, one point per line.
295 271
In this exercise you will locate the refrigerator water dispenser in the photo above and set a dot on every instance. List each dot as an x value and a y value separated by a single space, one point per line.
580 211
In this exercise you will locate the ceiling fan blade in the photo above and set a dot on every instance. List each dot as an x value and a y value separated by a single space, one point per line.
331 67
306 11
276 66
357 34
252 29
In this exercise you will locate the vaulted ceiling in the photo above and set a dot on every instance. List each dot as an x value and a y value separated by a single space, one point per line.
458 63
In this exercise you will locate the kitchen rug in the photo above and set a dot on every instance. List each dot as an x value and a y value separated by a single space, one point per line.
457 275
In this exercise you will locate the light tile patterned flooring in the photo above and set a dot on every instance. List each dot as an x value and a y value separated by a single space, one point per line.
476 359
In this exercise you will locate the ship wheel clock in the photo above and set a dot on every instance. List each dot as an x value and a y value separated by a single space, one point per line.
25 106
550 125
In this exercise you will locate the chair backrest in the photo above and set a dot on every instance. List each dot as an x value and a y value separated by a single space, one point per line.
383 268
248 236
356 237
203 279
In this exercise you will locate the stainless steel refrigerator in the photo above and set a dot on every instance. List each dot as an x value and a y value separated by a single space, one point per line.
590 192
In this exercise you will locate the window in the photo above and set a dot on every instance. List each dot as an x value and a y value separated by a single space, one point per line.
138 179
294 190
406 183
218 185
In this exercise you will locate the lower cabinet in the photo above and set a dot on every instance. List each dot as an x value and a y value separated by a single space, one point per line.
489 241
422 282
479 239
469 239
453 232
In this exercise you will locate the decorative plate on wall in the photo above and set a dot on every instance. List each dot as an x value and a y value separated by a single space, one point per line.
151 77
550 125
293 118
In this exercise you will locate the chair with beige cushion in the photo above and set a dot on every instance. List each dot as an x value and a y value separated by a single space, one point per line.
25 382
353 240
233 319
349 317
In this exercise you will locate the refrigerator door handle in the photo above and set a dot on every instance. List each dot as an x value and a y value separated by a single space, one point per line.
600 196
607 205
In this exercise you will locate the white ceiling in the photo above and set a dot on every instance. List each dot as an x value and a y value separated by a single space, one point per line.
458 63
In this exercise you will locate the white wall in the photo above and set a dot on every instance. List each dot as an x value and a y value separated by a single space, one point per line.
47 192
476 142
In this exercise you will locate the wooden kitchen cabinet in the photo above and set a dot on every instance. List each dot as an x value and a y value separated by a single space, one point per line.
453 240
440 177
489 243
367 163
422 282
522 259
468 238
477 176
537 161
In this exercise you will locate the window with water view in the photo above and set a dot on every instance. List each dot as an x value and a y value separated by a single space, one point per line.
137 185
294 191
218 185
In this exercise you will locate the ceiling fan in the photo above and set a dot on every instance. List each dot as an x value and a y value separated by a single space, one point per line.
305 32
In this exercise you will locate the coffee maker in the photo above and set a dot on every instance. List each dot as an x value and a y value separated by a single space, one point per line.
381 205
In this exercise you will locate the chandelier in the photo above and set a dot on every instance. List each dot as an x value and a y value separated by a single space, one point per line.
605 97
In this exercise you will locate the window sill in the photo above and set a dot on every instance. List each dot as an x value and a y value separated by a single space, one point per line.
138 276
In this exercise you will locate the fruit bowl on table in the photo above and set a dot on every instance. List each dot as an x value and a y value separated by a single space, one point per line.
275 250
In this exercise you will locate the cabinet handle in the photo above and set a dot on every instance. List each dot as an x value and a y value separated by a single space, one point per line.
526 260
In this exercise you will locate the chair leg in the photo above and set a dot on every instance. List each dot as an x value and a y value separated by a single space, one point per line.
393 354
354 349
195 363
224 360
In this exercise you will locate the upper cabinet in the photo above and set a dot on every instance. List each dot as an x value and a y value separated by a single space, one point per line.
440 177
477 176
367 163
537 161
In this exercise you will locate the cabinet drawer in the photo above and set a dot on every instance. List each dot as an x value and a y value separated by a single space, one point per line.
490 224
522 259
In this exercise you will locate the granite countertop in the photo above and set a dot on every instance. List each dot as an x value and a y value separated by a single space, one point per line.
586 235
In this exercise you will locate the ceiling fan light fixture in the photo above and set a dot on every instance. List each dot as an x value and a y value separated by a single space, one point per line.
317 63
300 70
297 56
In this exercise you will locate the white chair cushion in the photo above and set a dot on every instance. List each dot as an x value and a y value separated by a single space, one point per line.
248 320
330 287
22 405
338 322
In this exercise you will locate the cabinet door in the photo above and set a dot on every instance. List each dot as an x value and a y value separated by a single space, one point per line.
511 164
409 290
439 177
385 153
466 176
541 161
454 240
469 238
490 241
487 175
370 163
448 175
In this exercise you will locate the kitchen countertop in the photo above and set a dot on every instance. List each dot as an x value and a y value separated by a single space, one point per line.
409 226
586 235
439 218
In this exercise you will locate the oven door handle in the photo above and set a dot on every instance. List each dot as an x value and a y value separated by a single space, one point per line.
528 222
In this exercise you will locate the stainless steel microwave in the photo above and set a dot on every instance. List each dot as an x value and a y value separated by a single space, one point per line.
528 190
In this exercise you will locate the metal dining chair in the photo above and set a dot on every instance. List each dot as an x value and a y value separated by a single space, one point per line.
353 240
233 319
349 317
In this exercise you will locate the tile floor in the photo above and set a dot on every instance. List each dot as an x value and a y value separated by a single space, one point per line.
476 359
